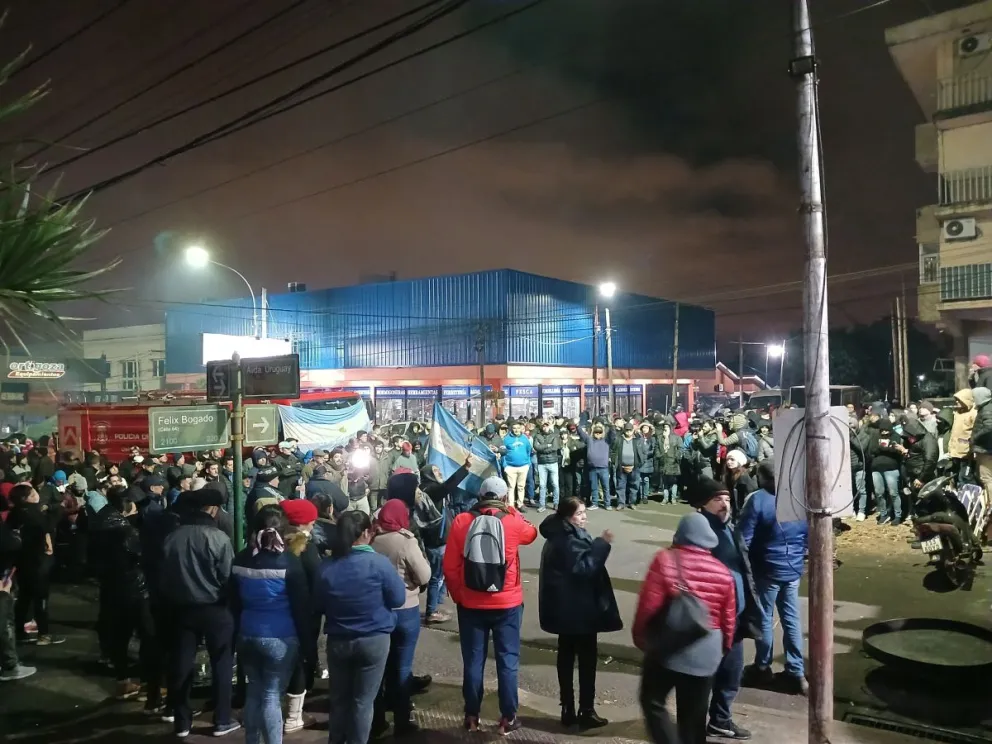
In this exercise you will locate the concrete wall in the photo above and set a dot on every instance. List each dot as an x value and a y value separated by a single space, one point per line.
141 345
966 147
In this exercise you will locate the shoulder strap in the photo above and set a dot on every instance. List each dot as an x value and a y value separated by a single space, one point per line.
682 585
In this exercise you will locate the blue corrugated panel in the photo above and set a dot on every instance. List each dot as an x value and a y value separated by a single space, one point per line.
521 318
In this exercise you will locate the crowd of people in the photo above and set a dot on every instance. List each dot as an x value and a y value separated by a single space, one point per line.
345 541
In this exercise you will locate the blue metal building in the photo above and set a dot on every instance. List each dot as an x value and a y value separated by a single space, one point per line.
417 324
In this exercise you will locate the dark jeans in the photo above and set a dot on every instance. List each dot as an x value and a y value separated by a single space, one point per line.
104 628
726 684
691 696
435 587
8 643
32 599
215 625
474 628
128 618
598 477
399 664
583 647
355 668
377 498
628 486
571 482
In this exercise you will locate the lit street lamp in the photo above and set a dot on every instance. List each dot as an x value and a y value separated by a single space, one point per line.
606 291
197 257
775 351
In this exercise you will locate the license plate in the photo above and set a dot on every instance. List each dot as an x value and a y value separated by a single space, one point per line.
933 545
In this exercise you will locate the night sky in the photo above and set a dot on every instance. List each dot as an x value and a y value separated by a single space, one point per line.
652 143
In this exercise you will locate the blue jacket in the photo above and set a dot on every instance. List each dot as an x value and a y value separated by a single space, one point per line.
729 555
518 451
271 598
777 551
358 593
597 450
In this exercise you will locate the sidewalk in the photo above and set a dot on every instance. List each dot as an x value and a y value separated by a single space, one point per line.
439 714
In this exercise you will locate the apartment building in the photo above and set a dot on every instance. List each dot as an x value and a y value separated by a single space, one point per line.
135 357
946 60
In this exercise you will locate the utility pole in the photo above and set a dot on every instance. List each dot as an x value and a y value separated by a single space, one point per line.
907 383
740 369
237 443
896 377
675 360
480 347
818 426
594 411
609 358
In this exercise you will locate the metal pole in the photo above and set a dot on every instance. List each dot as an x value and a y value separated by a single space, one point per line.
480 346
265 313
740 370
818 428
675 360
254 305
609 358
781 371
237 442
594 411
895 349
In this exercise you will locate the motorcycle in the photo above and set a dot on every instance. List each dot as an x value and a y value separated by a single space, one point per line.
950 519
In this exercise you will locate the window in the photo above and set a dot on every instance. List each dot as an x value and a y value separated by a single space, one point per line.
129 374
158 368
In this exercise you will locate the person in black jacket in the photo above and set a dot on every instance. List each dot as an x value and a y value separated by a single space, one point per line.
860 441
920 461
576 603
122 576
10 666
886 453
434 538
547 446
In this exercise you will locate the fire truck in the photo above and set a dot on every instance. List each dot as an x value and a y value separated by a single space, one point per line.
115 428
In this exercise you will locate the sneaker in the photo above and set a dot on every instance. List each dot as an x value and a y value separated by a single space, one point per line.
895 522
631 506
794 685
884 520
182 734
223 729
324 674
594 507
28 639
471 724
155 709
50 640
438 616
859 517
509 726
608 507
541 510
728 730
18 672
168 716
420 684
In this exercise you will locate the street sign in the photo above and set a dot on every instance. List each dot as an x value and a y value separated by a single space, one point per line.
271 377
261 425
188 428
220 380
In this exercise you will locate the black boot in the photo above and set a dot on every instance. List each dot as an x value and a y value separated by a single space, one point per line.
568 714
588 719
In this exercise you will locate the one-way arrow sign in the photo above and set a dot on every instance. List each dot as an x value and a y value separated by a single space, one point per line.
261 425
220 380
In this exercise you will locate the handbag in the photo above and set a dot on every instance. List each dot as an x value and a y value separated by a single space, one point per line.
682 620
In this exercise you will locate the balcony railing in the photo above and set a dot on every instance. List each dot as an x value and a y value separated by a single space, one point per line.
970 282
965 186
963 92
929 264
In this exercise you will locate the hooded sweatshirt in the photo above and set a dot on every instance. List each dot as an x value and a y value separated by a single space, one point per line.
981 435
959 444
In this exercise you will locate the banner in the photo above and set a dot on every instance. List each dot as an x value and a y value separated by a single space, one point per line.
324 429
450 443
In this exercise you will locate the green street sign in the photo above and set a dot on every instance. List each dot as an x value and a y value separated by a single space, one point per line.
261 425
188 428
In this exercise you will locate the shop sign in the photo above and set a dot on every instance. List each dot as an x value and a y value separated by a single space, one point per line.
617 389
390 392
462 391
31 370
523 391
421 392
13 392
570 390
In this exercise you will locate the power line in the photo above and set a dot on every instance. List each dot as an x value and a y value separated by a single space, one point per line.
222 130
178 71
68 39
242 86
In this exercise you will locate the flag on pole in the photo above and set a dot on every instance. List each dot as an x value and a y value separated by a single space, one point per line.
450 443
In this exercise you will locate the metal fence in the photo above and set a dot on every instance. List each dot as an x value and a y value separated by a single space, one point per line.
965 186
929 264
964 91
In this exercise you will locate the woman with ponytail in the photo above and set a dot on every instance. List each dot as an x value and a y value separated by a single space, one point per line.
272 610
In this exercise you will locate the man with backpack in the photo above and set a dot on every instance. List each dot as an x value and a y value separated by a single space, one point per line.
482 571
434 531
741 437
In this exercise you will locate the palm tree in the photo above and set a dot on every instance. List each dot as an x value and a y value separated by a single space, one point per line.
41 238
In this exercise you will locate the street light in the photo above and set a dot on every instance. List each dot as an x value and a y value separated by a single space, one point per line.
198 258
606 291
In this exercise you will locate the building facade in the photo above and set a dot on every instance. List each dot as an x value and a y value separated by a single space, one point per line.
946 60
135 357
528 339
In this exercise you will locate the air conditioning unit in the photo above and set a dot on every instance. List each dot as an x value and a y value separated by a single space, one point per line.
969 46
964 228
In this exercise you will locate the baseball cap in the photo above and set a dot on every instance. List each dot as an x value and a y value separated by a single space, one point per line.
494 486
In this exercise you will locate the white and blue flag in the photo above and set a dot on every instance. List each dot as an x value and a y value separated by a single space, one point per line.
450 443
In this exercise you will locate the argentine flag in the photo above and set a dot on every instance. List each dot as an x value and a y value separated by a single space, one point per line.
450 443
